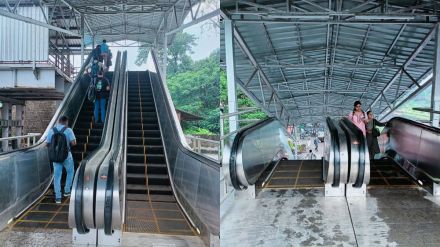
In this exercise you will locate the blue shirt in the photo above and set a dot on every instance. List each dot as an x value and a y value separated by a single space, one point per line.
68 132
104 48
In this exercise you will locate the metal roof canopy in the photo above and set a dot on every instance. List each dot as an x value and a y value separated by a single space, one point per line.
303 60
113 20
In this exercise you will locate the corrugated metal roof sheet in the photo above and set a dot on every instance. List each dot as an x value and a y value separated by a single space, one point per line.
356 64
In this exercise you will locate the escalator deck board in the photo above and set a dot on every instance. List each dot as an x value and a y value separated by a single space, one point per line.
298 174
388 175
45 214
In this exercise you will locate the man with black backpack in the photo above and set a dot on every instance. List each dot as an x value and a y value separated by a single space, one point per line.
60 139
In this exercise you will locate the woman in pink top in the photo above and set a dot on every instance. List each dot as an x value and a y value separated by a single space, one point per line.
358 117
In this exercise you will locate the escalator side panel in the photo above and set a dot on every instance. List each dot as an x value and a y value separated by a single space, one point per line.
26 173
193 176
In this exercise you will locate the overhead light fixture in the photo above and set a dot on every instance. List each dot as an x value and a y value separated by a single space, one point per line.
383 17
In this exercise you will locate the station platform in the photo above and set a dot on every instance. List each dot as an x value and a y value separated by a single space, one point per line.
288 217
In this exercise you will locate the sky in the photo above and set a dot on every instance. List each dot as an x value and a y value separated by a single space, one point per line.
207 40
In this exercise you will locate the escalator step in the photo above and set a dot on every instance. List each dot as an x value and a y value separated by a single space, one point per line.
153 189
136 197
94 139
156 158
96 132
83 125
136 158
153 141
132 125
135 168
158 179
151 149
135 141
91 146
152 168
83 132
136 149
149 114
162 198
134 133
151 133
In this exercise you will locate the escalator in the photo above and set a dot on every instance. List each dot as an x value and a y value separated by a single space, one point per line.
46 213
148 180
27 197
150 204
297 174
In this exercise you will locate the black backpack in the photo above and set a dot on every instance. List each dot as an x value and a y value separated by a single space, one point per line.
58 149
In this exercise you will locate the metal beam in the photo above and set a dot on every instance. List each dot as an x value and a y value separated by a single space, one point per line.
418 49
230 75
35 22
196 21
435 94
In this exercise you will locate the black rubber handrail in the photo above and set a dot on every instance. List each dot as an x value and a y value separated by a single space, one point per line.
79 220
415 123
361 138
334 136
240 135
108 201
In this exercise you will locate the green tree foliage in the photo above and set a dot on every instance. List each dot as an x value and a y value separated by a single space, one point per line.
193 85
197 91
243 102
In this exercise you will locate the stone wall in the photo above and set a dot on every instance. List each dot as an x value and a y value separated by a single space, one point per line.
37 115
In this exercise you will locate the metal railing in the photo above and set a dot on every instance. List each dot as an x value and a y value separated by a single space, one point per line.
19 141
204 146
61 61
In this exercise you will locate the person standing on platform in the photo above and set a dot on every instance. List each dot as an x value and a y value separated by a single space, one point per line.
358 117
372 134
60 141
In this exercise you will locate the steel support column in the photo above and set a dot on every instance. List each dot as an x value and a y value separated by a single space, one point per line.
435 94
165 48
5 131
82 39
19 117
230 74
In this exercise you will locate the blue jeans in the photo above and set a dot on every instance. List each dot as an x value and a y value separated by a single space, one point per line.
100 104
58 171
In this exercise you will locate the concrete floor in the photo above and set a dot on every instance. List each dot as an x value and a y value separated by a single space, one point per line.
63 238
392 217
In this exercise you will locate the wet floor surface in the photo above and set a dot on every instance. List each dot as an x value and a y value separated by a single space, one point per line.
386 217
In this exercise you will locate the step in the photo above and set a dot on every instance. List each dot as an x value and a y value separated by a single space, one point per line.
94 138
155 158
134 133
136 149
152 133
92 146
162 198
134 125
153 141
158 179
136 178
77 155
135 141
152 168
136 158
154 149
83 125
139 109
96 132
153 189
136 197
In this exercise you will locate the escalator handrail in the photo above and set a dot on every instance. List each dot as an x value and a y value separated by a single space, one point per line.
105 139
238 140
335 144
415 123
63 105
362 151
117 147
177 133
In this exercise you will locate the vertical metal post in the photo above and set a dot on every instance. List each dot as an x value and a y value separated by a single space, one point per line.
19 127
165 48
5 131
230 74
82 39
435 95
